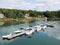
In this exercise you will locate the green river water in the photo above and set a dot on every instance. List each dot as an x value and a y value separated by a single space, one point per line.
50 36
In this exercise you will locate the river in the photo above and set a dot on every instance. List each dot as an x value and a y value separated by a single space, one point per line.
50 35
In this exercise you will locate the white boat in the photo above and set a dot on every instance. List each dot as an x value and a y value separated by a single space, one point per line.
7 36
37 28
44 26
29 31
21 30
40 27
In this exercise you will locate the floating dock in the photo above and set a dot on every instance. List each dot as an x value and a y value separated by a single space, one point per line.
14 34
27 31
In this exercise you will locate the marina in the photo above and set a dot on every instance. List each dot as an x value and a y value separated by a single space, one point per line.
27 31
47 36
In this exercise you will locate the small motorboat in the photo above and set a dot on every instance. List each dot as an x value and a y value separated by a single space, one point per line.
38 27
29 31
19 31
50 26
43 26
7 36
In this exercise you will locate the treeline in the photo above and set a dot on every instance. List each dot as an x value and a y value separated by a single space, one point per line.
14 13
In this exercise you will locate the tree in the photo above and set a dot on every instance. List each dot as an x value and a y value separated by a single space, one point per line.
58 13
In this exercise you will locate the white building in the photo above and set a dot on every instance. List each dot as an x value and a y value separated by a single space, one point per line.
26 15
1 15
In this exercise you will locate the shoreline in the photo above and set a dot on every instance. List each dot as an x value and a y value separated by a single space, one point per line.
22 19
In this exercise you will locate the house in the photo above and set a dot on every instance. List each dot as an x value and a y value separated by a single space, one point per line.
26 15
1 15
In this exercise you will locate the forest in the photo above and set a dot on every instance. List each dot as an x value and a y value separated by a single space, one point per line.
15 13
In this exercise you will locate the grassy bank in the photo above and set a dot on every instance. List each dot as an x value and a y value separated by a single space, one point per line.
22 19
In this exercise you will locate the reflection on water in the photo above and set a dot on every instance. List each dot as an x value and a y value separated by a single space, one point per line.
8 23
1 23
48 36
53 32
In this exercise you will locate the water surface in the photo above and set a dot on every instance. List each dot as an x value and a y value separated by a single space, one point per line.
50 36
